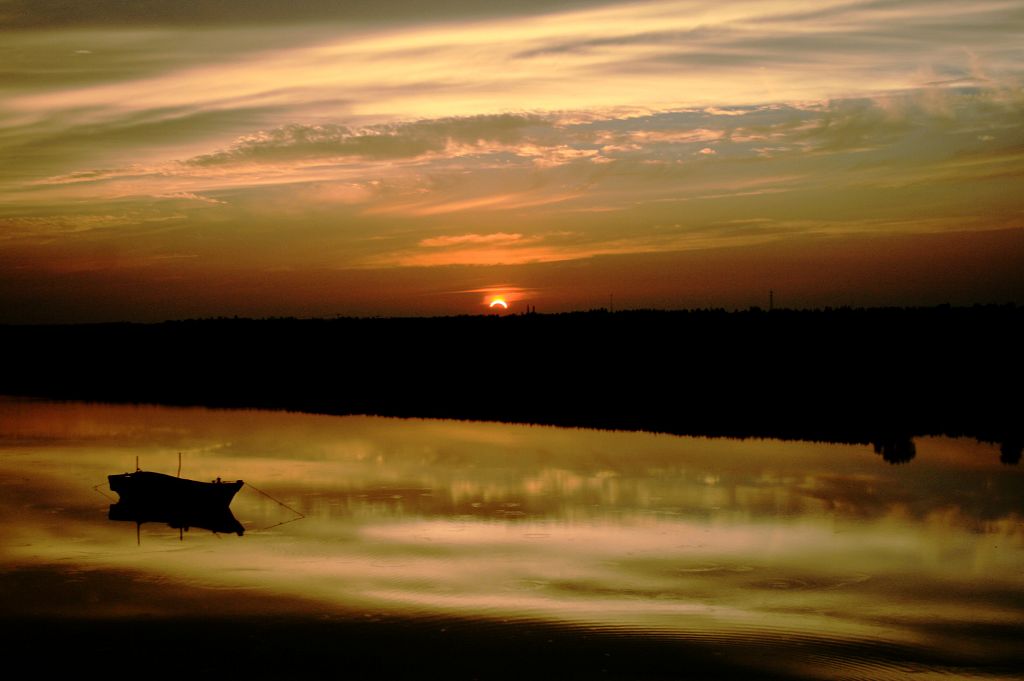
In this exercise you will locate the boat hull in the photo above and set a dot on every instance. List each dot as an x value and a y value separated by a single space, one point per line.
155 497
146 488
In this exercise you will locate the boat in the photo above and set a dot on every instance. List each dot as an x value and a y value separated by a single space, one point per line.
146 487
146 496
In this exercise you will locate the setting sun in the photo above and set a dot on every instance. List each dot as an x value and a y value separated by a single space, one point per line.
498 302
878 168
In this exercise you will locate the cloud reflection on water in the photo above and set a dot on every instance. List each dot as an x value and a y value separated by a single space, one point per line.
652 534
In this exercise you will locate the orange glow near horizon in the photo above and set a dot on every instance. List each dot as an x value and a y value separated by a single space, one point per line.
340 159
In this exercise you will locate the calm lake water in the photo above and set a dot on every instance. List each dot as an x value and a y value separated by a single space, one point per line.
622 554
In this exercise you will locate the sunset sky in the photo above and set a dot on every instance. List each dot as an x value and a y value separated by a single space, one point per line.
190 159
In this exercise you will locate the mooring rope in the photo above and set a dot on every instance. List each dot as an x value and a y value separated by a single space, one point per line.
104 484
299 515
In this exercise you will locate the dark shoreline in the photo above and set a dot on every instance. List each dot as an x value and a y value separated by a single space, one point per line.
205 632
375 646
876 376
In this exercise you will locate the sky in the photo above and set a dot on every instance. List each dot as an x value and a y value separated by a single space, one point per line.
196 159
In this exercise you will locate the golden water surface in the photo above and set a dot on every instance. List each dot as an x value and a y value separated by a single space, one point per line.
871 569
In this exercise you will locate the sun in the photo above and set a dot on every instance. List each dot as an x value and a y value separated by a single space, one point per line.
498 302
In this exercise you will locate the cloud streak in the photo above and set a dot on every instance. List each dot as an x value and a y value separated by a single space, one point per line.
652 54
393 141
350 137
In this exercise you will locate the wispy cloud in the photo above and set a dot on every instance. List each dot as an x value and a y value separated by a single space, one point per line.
189 196
356 136
391 141
448 240
655 54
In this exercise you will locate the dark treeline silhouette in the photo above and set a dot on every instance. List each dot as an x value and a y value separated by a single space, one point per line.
896 451
846 375
1010 451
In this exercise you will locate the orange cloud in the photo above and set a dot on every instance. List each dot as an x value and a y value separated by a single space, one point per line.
469 239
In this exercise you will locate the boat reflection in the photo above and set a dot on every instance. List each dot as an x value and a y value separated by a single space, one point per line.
178 502
575 553
216 520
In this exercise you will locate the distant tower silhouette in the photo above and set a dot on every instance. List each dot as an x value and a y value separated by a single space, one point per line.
771 299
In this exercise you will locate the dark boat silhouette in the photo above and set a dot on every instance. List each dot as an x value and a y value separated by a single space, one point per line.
181 503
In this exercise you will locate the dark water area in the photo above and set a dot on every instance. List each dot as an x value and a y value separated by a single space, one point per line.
402 548
877 376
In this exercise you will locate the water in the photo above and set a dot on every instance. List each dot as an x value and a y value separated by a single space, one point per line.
490 550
